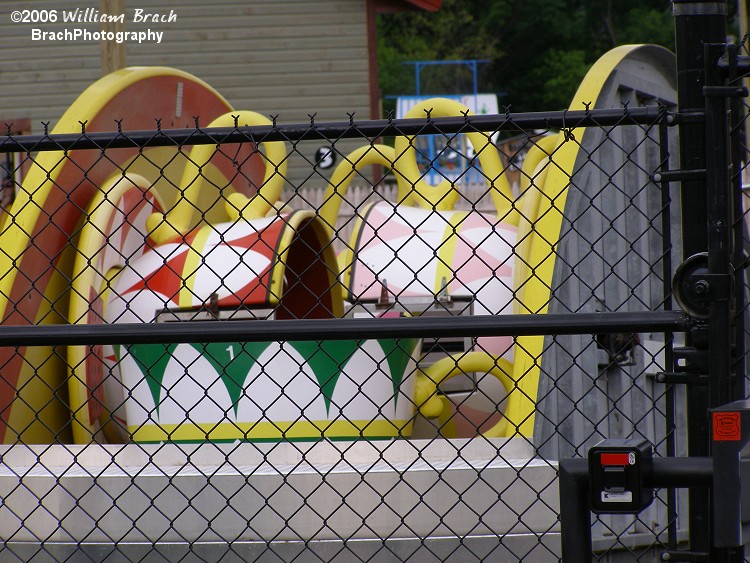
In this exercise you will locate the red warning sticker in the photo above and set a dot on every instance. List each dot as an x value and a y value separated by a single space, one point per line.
727 426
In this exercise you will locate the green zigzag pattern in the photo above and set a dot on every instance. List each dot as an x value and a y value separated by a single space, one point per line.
327 360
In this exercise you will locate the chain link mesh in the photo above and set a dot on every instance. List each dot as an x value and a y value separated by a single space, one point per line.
153 423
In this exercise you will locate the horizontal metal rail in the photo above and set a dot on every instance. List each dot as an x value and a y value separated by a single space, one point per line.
575 511
343 329
335 130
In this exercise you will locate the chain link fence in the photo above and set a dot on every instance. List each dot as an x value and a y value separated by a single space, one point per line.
201 361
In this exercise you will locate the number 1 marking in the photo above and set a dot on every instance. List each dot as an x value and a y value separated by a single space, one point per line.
230 349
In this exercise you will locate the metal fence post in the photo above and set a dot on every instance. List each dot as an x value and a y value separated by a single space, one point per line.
719 280
696 23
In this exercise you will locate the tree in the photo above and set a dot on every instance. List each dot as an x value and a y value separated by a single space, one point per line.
539 49
456 31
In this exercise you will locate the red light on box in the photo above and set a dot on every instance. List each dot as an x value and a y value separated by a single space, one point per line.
617 458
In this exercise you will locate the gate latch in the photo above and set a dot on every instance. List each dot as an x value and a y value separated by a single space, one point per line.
618 469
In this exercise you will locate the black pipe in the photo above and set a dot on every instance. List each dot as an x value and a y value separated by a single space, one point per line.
575 510
341 329
739 227
720 252
697 22
334 130
667 275
681 472
720 221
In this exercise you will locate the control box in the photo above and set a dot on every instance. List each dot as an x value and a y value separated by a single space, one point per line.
617 471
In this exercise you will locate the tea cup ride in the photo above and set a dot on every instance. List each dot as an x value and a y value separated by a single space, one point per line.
261 265
258 265
257 269
423 258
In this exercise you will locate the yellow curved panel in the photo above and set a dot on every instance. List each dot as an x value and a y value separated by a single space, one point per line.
346 257
307 219
300 429
343 174
444 272
183 216
46 213
87 280
29 204
412 188
527 208
544 239
533 165
430 404
38 414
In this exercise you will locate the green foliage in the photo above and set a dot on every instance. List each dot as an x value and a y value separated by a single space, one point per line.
539 49
648 25
558 76
457 31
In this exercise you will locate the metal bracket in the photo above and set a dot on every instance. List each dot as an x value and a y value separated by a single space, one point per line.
742 63
680 378
725 92
695 359
693 371
684 556
679 175
712 287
